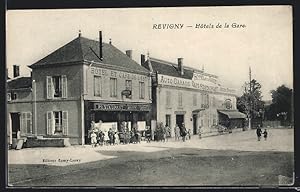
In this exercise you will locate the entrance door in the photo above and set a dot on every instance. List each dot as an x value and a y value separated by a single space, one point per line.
194 124
179 120
15 124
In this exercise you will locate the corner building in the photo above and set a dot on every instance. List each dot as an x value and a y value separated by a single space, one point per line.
187 95
83 81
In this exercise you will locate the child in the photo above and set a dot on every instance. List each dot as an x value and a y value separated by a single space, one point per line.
265 134
93 139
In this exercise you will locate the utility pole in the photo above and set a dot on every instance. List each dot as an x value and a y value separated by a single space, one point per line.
250 93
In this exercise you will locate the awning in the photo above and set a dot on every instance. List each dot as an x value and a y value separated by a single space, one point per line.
197 110
233 114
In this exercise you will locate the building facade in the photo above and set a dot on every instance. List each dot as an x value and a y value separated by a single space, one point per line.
184 95
81 82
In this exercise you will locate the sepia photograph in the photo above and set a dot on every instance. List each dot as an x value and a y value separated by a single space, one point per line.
161 96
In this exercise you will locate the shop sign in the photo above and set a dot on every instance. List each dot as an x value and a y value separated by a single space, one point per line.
200 76
192 84
121 107
117 74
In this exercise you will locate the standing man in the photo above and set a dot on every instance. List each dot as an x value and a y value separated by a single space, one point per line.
258 132
183 132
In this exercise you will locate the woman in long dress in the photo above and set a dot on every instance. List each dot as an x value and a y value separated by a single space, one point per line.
106 138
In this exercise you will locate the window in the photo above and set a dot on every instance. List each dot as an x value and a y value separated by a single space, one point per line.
179 99
214 119
128 86
142 90
194 99
113 87
56 87
202 100
57 122
168 120
168 98
97 86
13 96
26 122
8 96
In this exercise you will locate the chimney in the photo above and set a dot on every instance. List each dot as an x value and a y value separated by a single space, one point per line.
129 53
100 45
180 66
143 59
79 33
16 70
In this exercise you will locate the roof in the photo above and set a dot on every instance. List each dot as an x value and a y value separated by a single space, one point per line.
233 114
84 49
19 83
171 69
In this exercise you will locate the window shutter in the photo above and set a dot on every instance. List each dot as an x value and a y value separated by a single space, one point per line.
64 86
65 122
49 122
23 123
49 87
29 118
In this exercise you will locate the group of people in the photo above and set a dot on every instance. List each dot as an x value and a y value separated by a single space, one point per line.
259 133
182 132
101 138
162 133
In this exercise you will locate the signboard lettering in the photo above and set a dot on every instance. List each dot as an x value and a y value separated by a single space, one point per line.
121 107
117 74
193 84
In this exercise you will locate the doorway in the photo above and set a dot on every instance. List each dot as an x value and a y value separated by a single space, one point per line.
179 120
195 124
15 124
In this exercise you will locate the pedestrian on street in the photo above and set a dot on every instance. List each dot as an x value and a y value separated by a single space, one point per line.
183 132
148 135
258 132
117 140
265 134
199 132
177 132
106 138
93 139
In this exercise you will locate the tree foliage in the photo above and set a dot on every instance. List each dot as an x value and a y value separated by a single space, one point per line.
251 102
281 107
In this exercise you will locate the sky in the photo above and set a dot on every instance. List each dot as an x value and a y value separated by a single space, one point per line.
263 41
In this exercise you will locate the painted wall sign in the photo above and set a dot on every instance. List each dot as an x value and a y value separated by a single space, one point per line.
117 74
200 76
121 107
188 83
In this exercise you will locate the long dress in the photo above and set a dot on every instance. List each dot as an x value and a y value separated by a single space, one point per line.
106 138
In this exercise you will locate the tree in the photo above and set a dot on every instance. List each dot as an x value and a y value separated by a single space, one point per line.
251 102
281 107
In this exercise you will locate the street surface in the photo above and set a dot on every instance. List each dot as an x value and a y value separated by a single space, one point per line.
231 159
